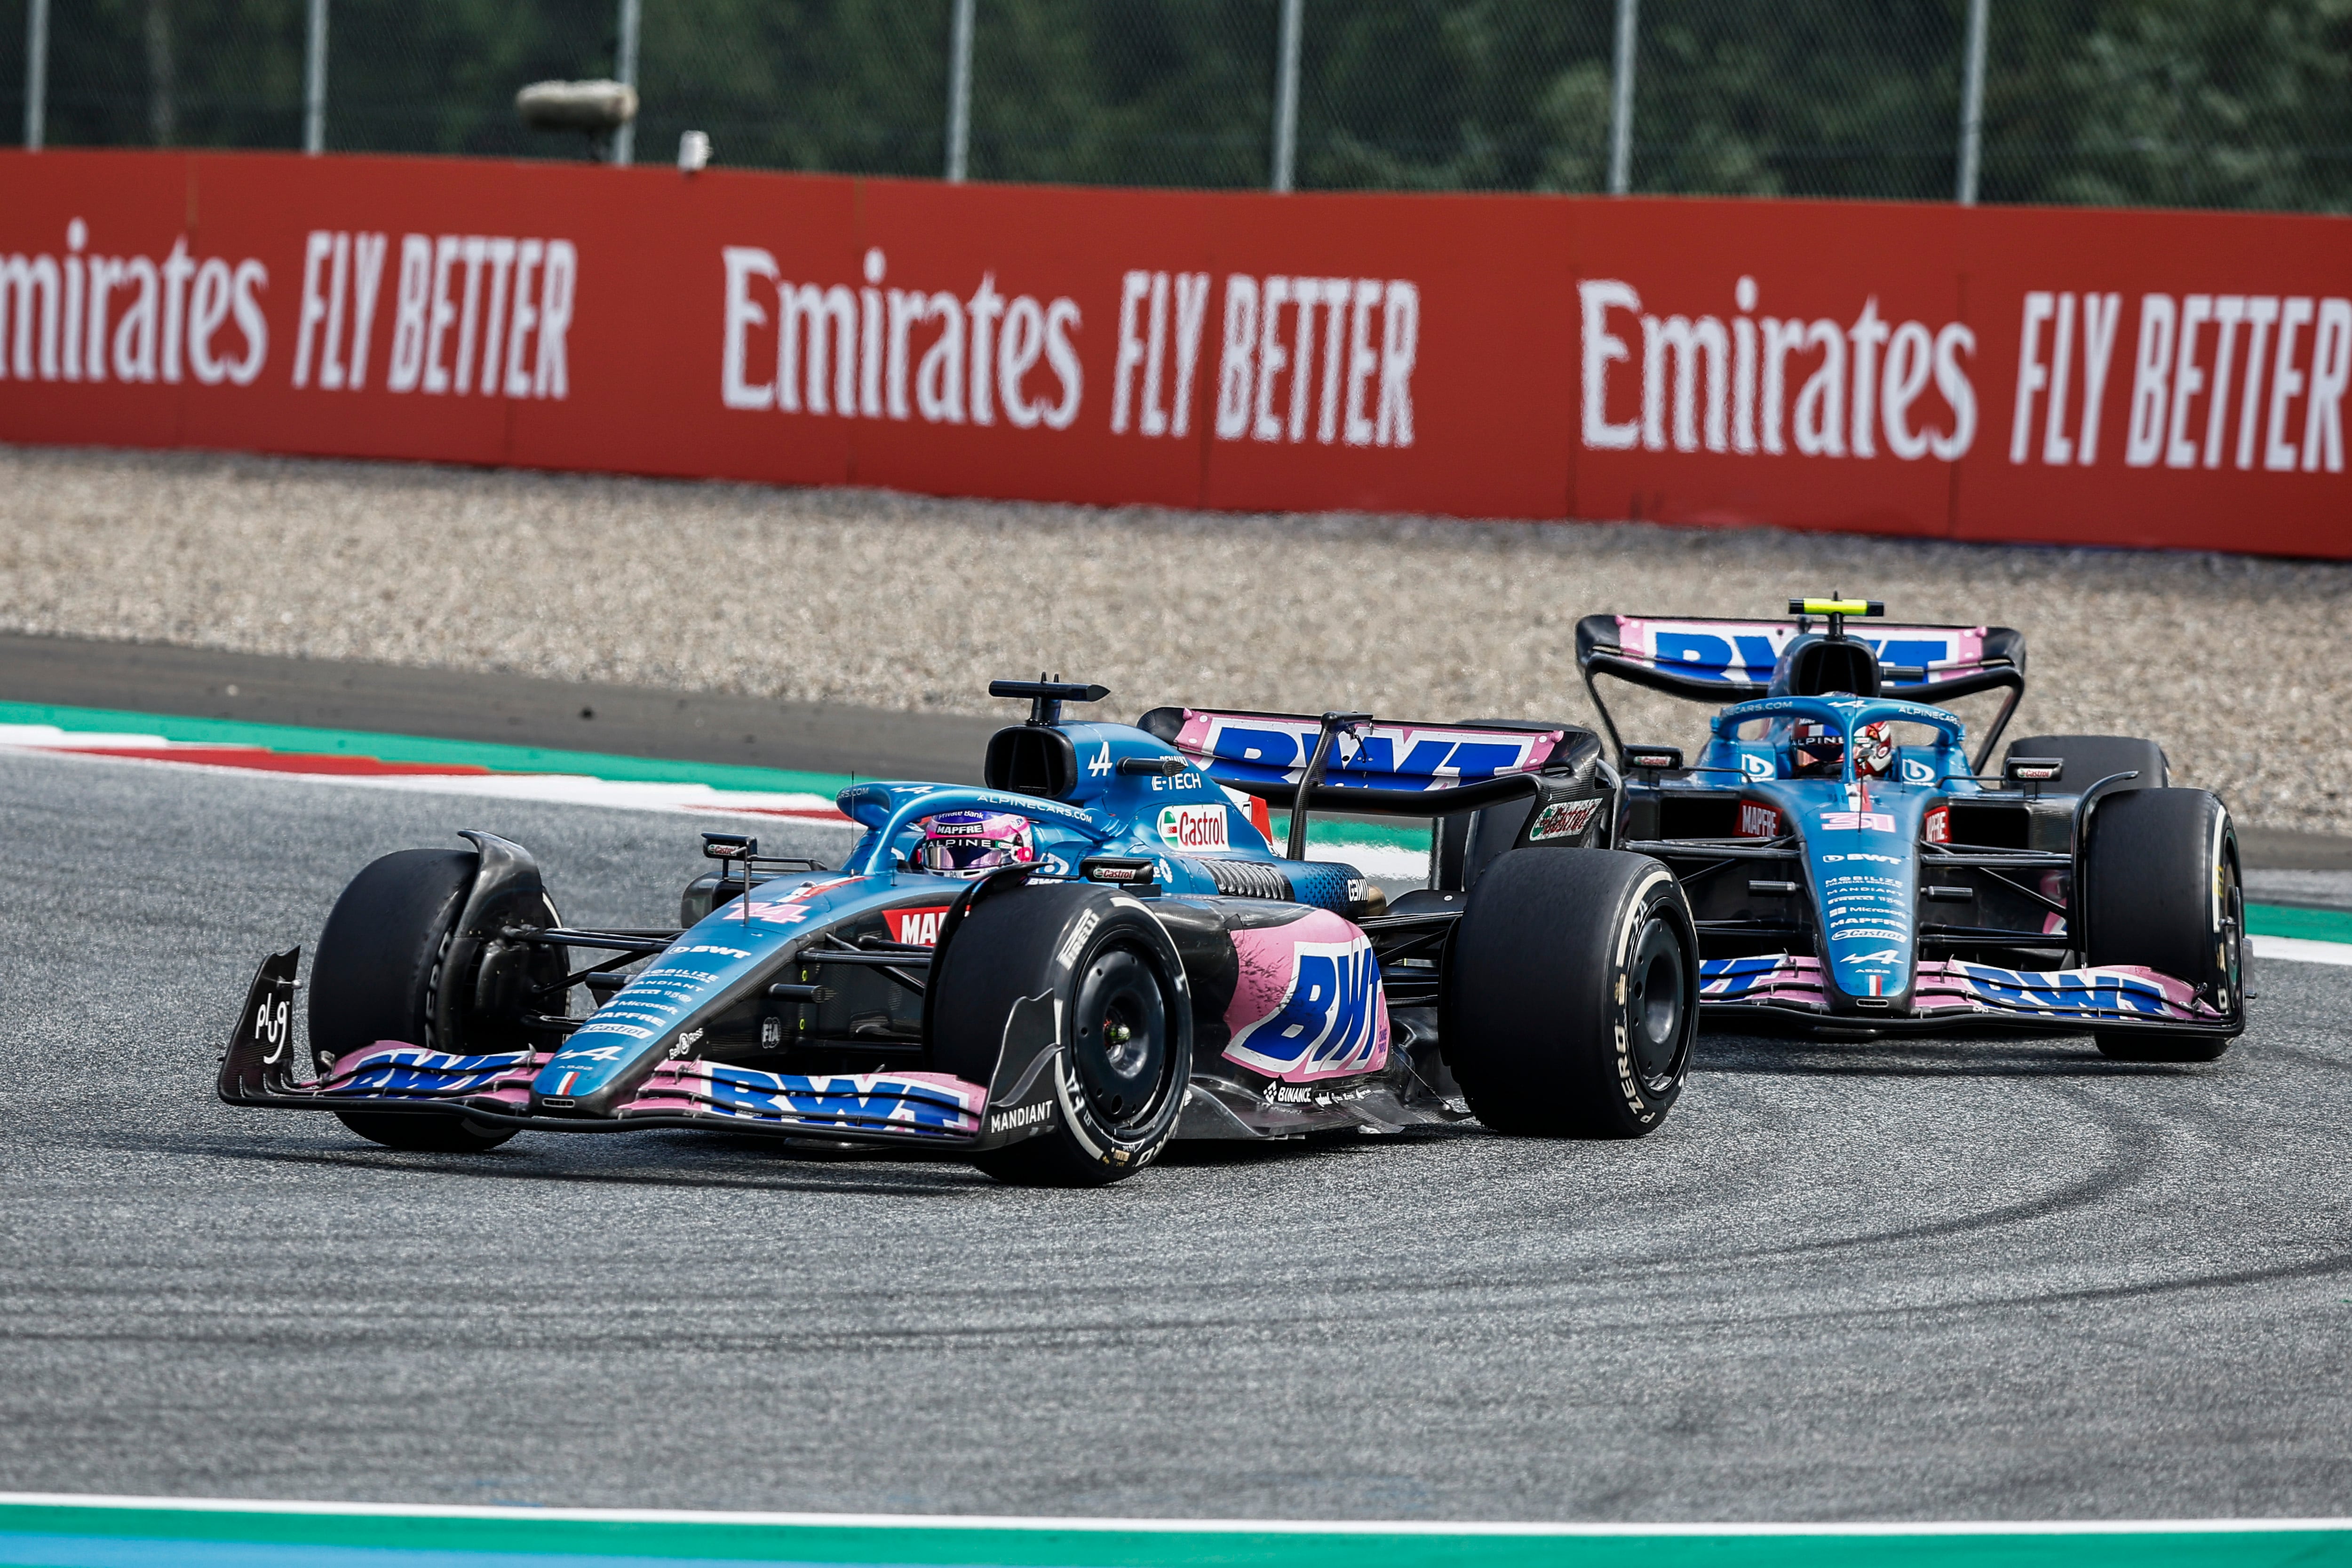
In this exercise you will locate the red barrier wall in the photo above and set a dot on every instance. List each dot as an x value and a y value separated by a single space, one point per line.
2157 378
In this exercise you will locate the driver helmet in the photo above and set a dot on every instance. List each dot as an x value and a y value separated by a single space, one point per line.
1873 751
1816 749
966 843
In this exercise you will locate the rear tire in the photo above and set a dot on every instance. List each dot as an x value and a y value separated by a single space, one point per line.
376 977
1128 1062
1571 994
2160 889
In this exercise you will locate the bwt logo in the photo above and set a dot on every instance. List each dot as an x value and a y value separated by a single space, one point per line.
1332 1018
1384 749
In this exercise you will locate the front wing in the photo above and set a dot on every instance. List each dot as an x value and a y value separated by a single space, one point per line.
1947 992
394 1077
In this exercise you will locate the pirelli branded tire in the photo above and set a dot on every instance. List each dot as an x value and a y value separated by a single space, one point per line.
1571 994
2160 889
1095 962
382 963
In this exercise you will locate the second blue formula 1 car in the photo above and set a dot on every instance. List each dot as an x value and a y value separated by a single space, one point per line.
1052 975
1851 866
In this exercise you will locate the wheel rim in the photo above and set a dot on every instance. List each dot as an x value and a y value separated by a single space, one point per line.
1654 1004
1122 1049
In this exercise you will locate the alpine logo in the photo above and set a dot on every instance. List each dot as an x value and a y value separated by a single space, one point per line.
1757 820
1194 827
1562 819
919 928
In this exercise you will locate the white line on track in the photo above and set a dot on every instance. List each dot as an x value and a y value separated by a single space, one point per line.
2301 950
1171 1526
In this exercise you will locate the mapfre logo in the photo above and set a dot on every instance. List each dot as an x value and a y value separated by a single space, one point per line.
918 927
1759 821
1194 826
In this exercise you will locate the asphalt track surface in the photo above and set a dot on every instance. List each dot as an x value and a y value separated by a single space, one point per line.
1997 1277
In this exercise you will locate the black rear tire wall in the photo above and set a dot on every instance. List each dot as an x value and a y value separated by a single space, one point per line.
2149 898
374 978
1007 949
1539 1024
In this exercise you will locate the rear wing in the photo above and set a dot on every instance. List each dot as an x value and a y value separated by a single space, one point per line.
1721 661
1350 762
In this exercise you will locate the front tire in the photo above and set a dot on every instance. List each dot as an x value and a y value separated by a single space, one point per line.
377 976
1125 1061
1571 994
2161 890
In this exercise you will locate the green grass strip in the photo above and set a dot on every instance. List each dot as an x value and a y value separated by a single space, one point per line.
1032 1546
504 759
2262 919
2312 925
386 748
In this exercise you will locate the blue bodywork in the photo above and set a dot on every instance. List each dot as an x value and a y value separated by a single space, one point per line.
1859 836
730 953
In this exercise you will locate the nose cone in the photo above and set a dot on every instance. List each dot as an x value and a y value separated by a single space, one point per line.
1865 879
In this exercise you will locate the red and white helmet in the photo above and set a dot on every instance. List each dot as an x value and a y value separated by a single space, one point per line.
1873 751
966 843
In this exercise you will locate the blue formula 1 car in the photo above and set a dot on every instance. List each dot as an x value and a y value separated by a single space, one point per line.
1849 865
1052 974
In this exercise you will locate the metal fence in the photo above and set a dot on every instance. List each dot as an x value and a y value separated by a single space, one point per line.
2231 103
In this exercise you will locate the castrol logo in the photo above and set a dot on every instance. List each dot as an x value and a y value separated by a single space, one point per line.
1194 826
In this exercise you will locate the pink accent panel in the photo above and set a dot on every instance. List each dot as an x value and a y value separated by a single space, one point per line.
1968 647
1343 1035
1266 969
1193 738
